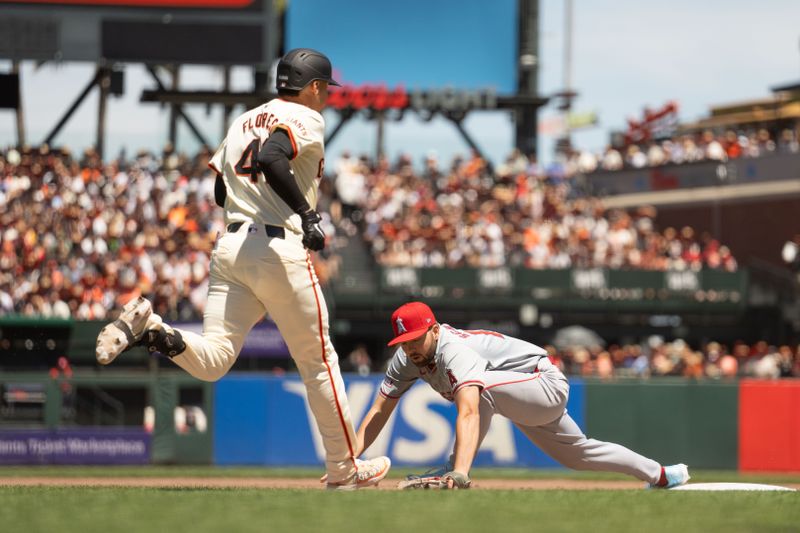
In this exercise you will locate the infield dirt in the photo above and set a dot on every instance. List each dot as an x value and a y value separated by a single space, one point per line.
294 483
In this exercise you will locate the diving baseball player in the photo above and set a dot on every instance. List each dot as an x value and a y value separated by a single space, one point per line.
486 373
268 170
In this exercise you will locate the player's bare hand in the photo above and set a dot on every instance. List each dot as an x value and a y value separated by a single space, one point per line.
313 236
455 480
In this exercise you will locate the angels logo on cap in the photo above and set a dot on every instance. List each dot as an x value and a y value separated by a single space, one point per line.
410 321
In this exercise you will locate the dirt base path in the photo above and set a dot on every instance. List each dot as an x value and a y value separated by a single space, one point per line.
298 483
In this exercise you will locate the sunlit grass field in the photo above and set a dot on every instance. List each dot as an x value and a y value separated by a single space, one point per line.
84 509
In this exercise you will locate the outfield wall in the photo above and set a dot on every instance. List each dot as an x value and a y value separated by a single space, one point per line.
671 420
256 419
750 425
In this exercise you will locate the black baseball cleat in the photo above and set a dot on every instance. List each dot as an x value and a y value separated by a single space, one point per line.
169 343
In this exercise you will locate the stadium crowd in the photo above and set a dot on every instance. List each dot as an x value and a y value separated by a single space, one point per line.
686 148
518 215
655 357
79 237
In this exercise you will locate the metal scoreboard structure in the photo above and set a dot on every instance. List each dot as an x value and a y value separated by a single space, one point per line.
145 31
171 33
380 103
154 32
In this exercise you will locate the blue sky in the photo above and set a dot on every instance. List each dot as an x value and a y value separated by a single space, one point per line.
418 43
627 54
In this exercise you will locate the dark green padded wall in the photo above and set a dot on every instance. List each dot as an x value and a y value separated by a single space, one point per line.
671 421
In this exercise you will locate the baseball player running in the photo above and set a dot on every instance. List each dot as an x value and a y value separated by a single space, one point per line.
486 373
268 170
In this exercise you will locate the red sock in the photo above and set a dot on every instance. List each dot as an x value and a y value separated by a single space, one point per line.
662 481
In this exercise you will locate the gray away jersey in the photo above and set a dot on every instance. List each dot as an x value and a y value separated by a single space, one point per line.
462 357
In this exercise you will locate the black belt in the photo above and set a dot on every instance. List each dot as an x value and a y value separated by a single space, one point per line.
272 231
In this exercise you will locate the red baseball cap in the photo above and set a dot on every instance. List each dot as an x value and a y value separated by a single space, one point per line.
410 321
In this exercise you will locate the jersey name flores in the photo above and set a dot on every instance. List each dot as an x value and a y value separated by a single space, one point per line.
249 196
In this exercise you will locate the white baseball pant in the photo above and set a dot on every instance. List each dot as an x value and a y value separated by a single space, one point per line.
252 274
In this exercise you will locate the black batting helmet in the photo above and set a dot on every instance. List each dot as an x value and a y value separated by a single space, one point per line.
301 66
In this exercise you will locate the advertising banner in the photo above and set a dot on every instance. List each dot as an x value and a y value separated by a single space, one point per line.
83 446
267 421
263 341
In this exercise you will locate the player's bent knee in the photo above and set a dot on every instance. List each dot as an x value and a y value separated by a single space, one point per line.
213 374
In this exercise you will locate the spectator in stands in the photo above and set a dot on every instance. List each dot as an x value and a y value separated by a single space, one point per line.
612 159
656 155
350 185
713 148
635 157
733 149
788 142
766 145
359 360
729 366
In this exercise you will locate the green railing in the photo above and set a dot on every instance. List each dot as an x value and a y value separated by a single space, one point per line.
576 289
99 407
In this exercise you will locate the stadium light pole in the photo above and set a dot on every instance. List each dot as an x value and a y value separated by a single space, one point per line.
568 94
527 73
19 113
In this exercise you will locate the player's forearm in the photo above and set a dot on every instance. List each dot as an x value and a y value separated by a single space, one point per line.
370 428
467 430
220 191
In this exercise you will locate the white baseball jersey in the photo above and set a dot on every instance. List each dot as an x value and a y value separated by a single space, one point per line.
462 358
249 196
253 273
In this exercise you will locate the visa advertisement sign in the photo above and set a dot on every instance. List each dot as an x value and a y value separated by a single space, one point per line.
266 421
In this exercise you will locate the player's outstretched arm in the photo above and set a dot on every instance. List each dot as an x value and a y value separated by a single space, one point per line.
374 421
467 427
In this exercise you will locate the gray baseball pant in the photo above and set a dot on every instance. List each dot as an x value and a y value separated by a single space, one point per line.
536 404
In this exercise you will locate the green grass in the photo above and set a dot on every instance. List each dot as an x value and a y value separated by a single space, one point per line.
85 510
199 510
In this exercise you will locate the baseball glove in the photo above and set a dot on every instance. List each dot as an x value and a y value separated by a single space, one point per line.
421 482
460 481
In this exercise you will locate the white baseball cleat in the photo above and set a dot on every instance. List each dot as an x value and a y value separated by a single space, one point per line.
675 475
369 473
135 318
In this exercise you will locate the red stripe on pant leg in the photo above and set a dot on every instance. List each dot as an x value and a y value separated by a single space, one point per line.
537 376
325 360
